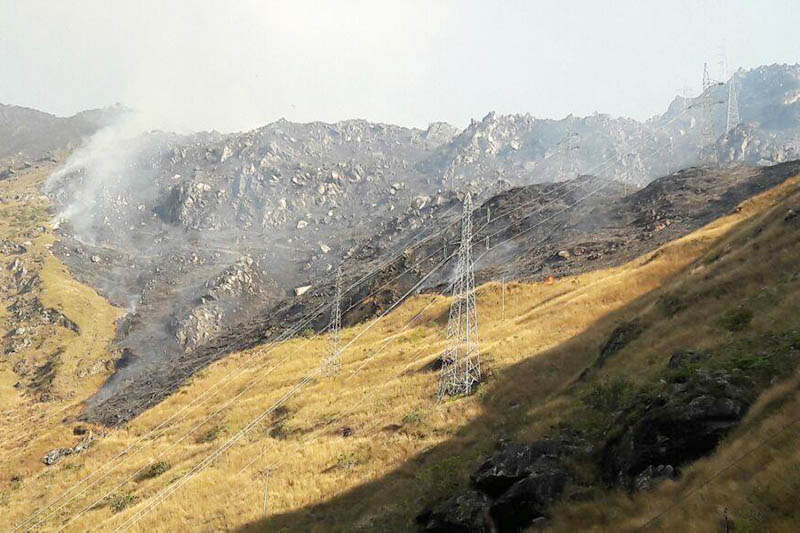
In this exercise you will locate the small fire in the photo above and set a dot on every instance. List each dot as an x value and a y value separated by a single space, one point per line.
551 280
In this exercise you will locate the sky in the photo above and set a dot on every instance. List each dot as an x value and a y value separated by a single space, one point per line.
231 66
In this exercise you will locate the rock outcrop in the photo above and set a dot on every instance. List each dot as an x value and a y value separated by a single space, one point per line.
510 490
55 455
226 298
682 424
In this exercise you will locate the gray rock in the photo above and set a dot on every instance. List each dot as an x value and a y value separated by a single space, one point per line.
465 513
675 429
528 498
513 463
619 338
650 476
681 357
55 455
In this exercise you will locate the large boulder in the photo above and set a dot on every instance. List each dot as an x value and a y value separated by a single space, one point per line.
219 303
465 513
528 498
619 338
513 463
682 425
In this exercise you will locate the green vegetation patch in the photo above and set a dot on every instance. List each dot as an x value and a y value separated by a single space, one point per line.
735 320
211 434
154 470
120 502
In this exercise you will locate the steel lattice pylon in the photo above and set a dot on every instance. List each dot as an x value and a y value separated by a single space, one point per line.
733 106
461 366
707 151
334 361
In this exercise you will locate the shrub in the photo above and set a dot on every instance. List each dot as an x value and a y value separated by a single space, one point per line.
672 304
414 336
154 470
444 477
278 432
16 482
736 319
413 417
120 502
350 460
211 434
609 396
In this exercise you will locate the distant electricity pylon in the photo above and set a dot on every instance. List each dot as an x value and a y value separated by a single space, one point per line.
635 173
733 106
567 166
334 360
707 138
461 366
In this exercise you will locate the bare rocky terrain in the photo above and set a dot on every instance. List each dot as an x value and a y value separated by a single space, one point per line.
219 241
539 231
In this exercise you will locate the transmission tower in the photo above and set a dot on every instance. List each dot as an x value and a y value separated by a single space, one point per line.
461 366
733 106
334 362
707 138
568 145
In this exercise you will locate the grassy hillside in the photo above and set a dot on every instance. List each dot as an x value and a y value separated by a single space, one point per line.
56 334
369 448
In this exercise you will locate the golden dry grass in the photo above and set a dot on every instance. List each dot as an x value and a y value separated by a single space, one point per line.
29 428
404 449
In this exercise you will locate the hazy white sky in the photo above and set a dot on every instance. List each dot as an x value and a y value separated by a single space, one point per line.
204 64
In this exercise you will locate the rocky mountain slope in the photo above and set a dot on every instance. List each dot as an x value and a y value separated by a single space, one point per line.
55 333
601 391
537 232
27 134
159 222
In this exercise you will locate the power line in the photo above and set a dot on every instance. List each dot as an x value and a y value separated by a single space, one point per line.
334 361
444 260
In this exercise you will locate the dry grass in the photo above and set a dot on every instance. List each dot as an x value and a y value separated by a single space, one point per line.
754 479
29 428
403 449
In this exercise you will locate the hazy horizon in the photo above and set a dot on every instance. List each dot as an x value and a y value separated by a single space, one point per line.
201 66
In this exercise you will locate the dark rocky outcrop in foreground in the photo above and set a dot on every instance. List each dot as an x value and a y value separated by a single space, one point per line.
682 424
646 443
510 490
